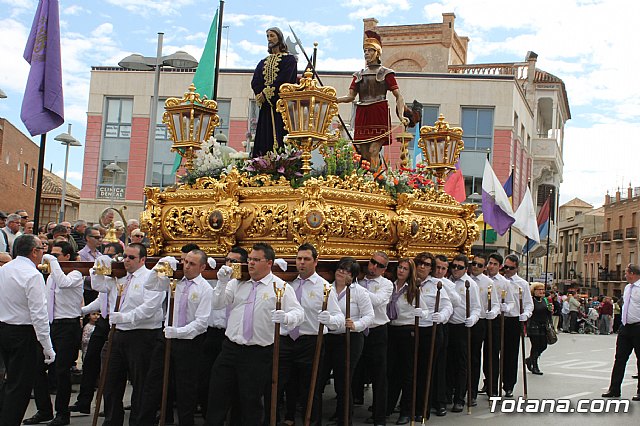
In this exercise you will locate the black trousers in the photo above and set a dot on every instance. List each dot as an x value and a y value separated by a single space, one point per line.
478 336
538 345
457 363
66 336
92 363
374 364
18 347
628 340
130 357
424 352
439 380
400 368
296 361
511 352
211 348
334 359
185 363
239 375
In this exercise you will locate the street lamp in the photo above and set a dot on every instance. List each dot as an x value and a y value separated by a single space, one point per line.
68 140
2 94
143 63
114 169
221 138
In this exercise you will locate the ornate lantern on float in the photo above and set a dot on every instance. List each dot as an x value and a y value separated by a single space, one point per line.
190 120
307 110
441 146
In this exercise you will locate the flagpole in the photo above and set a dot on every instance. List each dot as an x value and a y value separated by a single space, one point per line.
218 43
513 166
527 247
484 236
546 263
36 208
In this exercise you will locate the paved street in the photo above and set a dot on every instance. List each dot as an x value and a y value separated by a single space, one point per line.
577 367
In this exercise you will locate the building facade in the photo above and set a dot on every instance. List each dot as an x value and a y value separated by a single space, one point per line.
514 112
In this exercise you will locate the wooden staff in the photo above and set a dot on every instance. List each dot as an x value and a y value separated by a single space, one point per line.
490 337
105 367
279 292
167 355
468 307
524 361
504 295
434 329
347 357
416 342
316 359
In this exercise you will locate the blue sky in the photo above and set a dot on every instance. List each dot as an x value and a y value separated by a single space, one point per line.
590 44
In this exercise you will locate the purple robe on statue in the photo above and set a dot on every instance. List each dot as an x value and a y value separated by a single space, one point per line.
279 69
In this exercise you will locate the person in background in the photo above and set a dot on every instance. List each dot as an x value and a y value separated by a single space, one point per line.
4 258
606 312
28 228
77 233
12 229
617 314
24 218
537 327
87 331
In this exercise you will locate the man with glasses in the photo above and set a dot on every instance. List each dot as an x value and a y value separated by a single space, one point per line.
4 240
373 361
24 218
297 344
242 370
138 323
479 332
628 334
12 229
92 363
64 301
440 397
513 320
458 325
90 252
24 324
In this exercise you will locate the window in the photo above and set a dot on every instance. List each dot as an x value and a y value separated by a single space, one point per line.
472 184
25 173
32 178
116 139
163 158
477 124
162 174
224 112
430 115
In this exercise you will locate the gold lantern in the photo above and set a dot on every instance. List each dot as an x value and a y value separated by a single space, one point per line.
404 138
191 120
307 110
441 146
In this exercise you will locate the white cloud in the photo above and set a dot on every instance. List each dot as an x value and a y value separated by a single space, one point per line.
253 48
74 9
369 9
149 7
13 68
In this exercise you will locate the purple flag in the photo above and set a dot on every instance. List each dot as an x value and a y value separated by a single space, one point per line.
496 208
43 104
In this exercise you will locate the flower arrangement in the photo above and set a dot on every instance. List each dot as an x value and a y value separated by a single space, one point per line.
284 162
212 160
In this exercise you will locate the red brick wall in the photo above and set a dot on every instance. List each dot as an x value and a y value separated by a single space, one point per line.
237 132
19 149
137 159
91 167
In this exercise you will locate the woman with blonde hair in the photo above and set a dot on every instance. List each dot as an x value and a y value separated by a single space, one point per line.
537 326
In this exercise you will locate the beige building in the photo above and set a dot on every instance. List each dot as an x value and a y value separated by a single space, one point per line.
514 110
619 240
577 219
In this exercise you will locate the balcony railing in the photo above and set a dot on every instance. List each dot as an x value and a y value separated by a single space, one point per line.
632 233
606 237
610 276
617 235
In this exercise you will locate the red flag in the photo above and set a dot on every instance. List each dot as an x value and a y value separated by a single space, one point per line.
454 185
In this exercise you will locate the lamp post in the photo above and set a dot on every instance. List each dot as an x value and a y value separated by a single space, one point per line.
114 169
142 63
221 138
68 140
2 94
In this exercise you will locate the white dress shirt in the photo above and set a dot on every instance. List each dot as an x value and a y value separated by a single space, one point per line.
428 293
460 311
236 293
512 299
22 298
360 308
380 290
483 283
198 306
311 301
140 309
405 309
67 290
631 305
217 317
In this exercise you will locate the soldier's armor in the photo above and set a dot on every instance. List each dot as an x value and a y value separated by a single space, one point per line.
371 84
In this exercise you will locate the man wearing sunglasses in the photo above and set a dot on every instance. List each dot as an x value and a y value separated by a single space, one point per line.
374 352
24 326
138 323
458 325
513 320
479 333
64 301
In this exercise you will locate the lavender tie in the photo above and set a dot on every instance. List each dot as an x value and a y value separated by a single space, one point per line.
625 307
125 290
183 306
295 333
51 300
392 306
366 285
247 325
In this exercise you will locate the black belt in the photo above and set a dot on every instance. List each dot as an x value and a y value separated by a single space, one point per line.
66 321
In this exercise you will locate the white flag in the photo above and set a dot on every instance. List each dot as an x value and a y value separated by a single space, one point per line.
526 218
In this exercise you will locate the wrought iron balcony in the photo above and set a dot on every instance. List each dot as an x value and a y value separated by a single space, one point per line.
617 235
606 237
632 233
